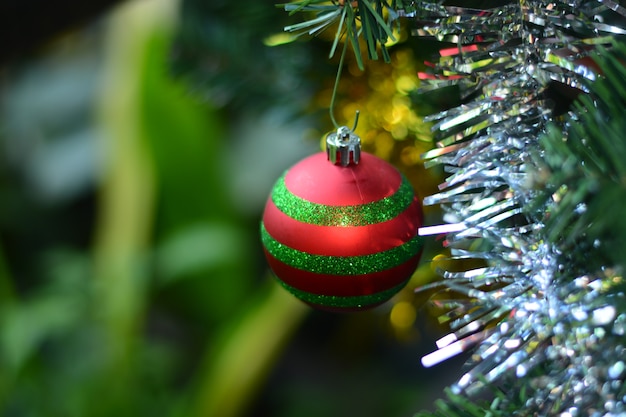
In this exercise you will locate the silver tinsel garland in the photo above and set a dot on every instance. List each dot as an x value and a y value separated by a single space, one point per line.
540 332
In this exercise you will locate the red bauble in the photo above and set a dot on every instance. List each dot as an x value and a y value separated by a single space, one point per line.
342 237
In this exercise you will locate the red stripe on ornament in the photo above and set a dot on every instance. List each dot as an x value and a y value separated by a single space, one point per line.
343 241
316 180
343 285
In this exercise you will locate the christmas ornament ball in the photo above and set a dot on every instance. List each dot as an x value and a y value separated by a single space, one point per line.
342 238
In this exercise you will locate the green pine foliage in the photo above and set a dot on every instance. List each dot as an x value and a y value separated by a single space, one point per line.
582 171
455 405
363 21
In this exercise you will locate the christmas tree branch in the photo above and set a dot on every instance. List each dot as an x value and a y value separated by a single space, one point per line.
582 173
358 20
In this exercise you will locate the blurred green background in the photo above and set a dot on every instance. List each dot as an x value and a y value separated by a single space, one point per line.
137 150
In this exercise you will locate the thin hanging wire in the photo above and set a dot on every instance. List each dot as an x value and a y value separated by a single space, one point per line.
331 109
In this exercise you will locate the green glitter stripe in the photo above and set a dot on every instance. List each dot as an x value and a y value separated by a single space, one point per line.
354 215
341 265
344 302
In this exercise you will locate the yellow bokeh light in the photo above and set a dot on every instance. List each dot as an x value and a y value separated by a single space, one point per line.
410 156
402 315
399 131
437 259
405 84
383 145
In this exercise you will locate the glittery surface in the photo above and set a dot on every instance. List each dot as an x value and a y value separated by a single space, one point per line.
357 215
538 328
354 302
341 265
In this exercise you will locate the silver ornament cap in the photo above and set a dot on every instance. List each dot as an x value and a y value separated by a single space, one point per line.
343 147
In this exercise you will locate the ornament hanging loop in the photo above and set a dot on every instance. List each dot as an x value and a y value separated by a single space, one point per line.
343 147
356 120
331 108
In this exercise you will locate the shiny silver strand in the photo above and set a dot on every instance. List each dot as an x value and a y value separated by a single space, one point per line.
531 323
